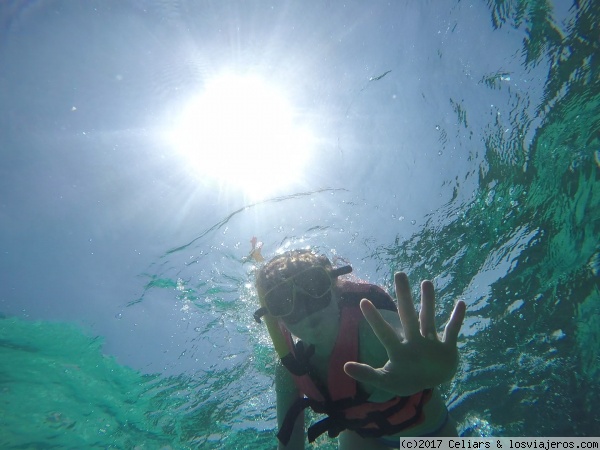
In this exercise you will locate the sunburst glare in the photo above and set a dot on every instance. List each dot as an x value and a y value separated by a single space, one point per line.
242 132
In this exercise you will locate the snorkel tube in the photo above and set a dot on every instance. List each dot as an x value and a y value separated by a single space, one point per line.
277 337
295 364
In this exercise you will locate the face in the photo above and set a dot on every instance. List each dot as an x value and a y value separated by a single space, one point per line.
317 326
300 295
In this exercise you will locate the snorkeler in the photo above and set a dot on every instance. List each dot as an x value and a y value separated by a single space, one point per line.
375 379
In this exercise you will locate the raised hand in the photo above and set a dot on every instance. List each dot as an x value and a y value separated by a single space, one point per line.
420 360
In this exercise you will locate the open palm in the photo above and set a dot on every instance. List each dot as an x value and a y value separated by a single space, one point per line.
420 360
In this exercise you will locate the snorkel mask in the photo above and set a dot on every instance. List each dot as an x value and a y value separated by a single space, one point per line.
293 298
301 294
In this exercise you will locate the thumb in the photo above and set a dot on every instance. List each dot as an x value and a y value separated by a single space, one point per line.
362 372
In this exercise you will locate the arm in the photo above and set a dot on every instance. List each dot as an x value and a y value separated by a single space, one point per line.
287 393
419 361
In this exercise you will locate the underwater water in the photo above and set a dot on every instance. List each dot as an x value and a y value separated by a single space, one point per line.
473 161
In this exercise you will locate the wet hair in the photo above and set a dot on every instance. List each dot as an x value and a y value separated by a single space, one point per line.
286 265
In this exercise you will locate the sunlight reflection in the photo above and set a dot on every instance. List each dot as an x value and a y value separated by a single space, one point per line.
242 132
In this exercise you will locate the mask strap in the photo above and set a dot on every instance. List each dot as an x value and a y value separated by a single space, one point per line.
260 312
344 270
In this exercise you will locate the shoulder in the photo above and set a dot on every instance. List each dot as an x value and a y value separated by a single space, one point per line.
352 293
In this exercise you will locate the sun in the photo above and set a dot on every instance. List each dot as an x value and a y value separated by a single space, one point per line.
240 131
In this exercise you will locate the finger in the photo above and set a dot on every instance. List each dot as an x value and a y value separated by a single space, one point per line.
406 308
363 373
455 323
386 334
427 314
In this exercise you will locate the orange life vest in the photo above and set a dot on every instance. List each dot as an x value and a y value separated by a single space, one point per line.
345 404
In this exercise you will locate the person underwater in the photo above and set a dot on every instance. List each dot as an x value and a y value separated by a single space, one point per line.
348 351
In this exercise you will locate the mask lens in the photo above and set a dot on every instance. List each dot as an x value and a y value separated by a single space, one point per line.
314 282
309 288
280 299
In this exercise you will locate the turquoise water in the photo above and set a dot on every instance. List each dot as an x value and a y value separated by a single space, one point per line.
516 238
